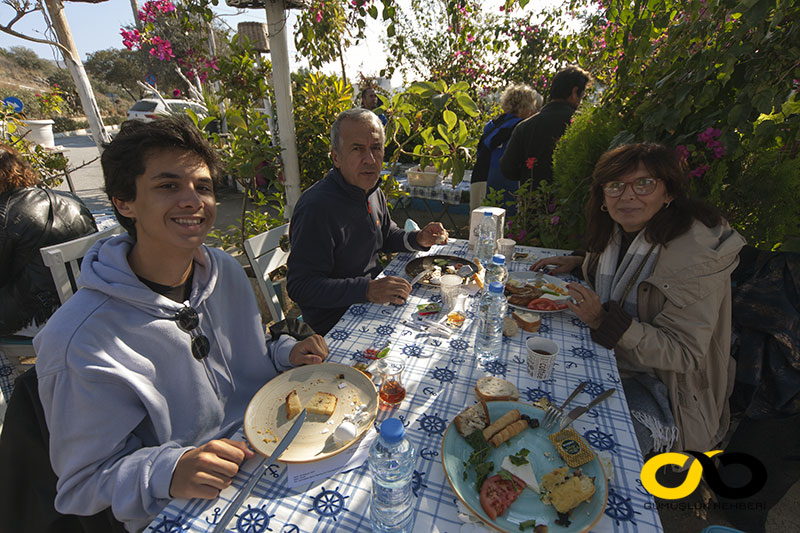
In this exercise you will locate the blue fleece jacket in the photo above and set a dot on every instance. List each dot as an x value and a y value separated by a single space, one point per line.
336 232
122 395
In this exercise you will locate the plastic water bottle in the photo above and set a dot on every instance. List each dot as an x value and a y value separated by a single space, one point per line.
491 312
496 271
484 247
391 463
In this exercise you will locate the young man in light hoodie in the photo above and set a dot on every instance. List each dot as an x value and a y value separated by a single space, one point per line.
148 369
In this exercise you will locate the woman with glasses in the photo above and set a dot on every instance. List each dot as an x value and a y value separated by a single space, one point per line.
658 265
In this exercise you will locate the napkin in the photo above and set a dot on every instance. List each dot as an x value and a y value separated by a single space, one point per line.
353 457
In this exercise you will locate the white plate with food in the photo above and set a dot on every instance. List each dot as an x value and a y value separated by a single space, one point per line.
533 460
341 404
548 293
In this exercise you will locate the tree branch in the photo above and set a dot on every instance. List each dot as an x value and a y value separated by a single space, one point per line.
21 10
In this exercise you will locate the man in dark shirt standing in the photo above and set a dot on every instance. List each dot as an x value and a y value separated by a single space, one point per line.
536 136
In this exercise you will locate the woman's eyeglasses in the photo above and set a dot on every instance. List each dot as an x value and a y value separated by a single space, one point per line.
188 320
641 186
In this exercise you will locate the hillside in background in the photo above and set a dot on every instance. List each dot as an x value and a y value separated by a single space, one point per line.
23 74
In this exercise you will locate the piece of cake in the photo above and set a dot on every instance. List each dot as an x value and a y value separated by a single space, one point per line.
293 405
323 403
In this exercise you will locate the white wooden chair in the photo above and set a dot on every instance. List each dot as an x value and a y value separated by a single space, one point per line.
64 260
265 254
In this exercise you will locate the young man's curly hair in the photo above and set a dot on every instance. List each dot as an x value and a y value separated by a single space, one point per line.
15 171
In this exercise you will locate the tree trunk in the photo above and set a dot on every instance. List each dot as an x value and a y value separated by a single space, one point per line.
56 10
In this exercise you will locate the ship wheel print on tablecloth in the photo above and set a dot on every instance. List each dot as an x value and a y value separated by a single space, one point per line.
412 350
583 353
443 375
357 310
578 323
416 483
329 503
6 371
600 440
620 509
496 368
535 394
253 520
384 330
170 525
594 388
338 335
432 424
459 345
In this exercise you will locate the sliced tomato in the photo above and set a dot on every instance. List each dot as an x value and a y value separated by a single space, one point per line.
545 304
497 494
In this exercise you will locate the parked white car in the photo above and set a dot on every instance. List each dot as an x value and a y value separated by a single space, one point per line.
148 109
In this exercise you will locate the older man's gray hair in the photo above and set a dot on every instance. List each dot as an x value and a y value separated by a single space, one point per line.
357 114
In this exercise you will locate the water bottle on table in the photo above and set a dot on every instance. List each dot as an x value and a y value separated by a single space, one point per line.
391 464
496 271
491 312
484 246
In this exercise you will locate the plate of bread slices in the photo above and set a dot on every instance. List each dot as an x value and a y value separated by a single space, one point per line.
341 404
514 475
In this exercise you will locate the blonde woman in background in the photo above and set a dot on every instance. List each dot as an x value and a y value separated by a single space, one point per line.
518 102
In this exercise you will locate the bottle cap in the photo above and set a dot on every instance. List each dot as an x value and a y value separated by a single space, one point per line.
487 213
496 286
392 430
499 259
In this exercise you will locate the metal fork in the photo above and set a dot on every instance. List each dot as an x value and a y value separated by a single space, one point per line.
554 414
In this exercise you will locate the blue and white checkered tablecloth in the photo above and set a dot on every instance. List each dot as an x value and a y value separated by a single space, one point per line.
443 191
440 376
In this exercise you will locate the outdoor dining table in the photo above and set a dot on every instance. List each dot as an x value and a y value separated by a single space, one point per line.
440 376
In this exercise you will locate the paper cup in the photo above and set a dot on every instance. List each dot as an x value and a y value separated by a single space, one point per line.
450 287
541 357
506 247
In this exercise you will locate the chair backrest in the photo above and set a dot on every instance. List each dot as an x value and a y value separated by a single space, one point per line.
265 255
64 260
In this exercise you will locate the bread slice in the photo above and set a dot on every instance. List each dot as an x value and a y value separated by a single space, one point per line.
472 418
494 389
530 322
293 405
323 403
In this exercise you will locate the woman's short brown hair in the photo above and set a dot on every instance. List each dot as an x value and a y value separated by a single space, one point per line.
15 171
662 163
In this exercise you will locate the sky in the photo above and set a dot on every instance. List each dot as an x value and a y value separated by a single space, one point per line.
97 26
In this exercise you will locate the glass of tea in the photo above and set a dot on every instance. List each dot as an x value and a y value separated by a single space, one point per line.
392 391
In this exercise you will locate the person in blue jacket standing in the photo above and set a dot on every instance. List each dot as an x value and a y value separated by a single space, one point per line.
518 102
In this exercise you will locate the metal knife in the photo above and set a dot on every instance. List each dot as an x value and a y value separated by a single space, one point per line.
260 471
578 411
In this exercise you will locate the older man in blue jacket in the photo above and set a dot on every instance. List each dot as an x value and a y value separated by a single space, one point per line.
341 223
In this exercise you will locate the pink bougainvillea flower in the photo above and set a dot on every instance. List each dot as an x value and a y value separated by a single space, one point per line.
682 152
176 93
699 171
530 162
555 219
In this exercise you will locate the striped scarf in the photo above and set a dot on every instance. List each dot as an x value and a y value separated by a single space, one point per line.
616 282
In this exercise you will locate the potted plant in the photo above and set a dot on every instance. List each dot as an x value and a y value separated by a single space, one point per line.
41 130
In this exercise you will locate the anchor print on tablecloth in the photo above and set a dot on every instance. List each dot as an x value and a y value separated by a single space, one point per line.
444 375
459 345
535 394
496 368
358 355
329 504
583 353
384 330
600 440
432 424
253 520
620 509
578 323
290 528
169 525
430 392
457 360
412 350
416 483
357 310
338 335
429 454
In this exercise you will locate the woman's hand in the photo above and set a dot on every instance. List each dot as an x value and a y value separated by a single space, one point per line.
206 470
564 263
588 306
310 351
